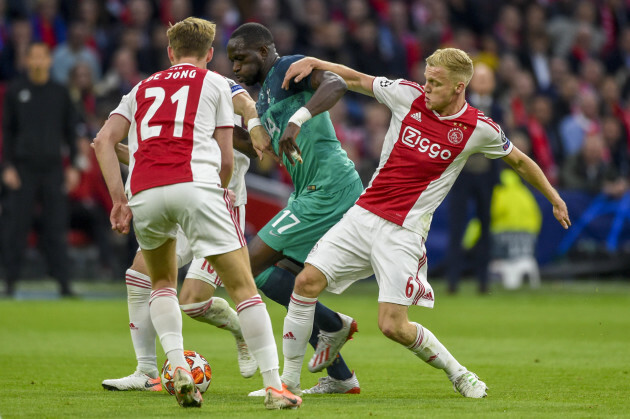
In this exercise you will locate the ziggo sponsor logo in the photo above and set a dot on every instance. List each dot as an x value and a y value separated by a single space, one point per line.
412 137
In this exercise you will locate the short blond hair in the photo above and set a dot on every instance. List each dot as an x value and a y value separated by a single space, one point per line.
455 61
191 37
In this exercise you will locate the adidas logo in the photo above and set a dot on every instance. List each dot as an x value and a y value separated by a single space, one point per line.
428 296
132 326
417 116
289 335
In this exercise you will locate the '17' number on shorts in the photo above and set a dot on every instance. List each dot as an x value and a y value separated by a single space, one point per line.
288 226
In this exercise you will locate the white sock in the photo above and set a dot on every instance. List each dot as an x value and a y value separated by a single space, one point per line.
298 326
140 326
257 331
217 312
429 349
167 320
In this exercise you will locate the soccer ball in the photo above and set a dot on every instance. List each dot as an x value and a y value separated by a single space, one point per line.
199 367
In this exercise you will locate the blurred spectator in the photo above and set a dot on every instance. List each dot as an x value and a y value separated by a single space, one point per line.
38 122
81 89
515 221
613 105
227 17
546 145
590 170
585 119
48 25
507 28
615 139
522 94
368 54
375 122
92 13
90 205
121 77
351 138
475 184
536 59
73 51
13 55
577 35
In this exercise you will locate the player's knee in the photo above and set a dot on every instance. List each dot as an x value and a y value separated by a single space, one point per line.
195 291
310 282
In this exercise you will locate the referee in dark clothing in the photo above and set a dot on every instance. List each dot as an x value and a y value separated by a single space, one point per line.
39 123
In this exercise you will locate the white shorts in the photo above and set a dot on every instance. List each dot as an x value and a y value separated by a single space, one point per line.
200 268
362 244
203 212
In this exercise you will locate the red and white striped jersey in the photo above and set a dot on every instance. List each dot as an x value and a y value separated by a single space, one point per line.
423 154
173 115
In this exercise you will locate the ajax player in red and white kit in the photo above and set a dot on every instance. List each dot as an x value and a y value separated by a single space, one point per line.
179 125
431 134
196 297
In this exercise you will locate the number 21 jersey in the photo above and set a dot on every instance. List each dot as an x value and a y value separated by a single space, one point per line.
173 115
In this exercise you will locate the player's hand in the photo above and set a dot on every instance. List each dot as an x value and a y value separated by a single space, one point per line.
561 213
120 217
261 141
298 70
11 178
232 197
288 146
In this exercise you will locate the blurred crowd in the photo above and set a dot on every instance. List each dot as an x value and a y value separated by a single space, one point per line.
554 73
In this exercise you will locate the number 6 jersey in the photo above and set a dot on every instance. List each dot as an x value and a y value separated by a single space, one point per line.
173 115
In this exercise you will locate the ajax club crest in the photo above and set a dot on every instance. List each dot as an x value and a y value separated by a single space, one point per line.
455 136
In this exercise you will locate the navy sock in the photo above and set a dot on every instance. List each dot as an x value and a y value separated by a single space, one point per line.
279 287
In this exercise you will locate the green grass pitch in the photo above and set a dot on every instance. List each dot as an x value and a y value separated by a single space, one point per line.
561 351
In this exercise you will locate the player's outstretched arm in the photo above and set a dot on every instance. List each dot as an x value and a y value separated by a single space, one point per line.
356 81
531 172
112 133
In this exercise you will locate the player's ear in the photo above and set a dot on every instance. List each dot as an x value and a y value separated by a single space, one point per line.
459 87
171 54
210 54
264 51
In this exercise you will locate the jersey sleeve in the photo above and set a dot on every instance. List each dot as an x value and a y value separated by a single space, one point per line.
126 105
235 88
497 144
397 95
222 99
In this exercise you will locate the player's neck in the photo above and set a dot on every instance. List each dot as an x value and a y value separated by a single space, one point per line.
453 107
197 62
271 60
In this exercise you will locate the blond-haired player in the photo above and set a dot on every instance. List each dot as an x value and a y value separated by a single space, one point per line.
179 125
432 132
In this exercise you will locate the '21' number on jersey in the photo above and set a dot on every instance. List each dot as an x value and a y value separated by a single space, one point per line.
180 97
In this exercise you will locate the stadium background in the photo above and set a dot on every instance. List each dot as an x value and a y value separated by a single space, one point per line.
562 86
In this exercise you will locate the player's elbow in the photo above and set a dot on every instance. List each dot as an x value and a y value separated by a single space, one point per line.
338 85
